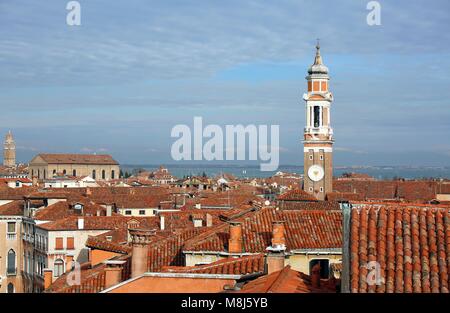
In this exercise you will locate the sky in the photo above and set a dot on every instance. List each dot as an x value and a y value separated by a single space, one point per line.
134 69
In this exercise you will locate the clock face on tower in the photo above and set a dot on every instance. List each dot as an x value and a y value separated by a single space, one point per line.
316 173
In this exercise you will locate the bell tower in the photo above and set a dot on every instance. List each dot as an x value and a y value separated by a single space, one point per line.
9 151
318 134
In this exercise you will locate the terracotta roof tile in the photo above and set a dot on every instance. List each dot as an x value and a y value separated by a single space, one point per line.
252 264
305 229
286 281
78 159
297 195
410 244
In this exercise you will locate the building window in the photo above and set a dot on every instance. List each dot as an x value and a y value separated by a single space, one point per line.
141 212
324 267
316 116
321 157
311 157
113 174
11 267
70 243
17 183
128 212
321 189
64 172
10 288
93 174
311 189
58 267
39 173
54 172
59 243
103 174
74 173
12 227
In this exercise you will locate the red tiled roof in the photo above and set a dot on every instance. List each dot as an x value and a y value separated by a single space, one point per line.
239 266
286 281
344 196
100 223
168 251
13 208
410 244
423 191
63 209
297 195
15 193
92 279
78 159
305 229
318 205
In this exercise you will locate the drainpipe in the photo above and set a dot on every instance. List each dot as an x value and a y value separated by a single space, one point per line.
345 278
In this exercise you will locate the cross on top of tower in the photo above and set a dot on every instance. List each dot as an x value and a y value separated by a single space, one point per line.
318 58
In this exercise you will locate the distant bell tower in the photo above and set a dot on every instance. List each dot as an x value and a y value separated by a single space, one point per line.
9 151
318 134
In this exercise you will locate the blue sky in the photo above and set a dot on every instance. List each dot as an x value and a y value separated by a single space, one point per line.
134 69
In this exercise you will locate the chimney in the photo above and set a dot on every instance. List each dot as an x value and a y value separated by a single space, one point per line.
140 239
69 262
81 223
162 221
113 272
109 210
315 276
48 276
278 239
276 256
209 220
235 241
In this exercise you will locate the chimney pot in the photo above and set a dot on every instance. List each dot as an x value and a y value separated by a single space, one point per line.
113 272
162 222
278 239
48 277
80 223
235 241
209 221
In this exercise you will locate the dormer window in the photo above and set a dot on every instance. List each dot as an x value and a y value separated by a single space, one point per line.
78 206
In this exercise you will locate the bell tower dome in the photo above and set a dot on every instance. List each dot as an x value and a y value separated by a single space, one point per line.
318 134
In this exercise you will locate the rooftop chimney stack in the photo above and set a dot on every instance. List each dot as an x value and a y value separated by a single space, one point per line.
209 221
276 256
109 210
113 272
140 239
69 262
81 223
48 277
162 222
235 241
278 239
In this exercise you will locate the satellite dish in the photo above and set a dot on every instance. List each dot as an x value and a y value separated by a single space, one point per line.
267 202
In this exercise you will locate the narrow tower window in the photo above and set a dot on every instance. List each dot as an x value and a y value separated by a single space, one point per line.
316 116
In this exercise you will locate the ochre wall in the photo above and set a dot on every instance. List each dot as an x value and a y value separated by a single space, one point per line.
148 284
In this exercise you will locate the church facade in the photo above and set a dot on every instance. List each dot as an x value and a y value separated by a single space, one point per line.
98 167
318 134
